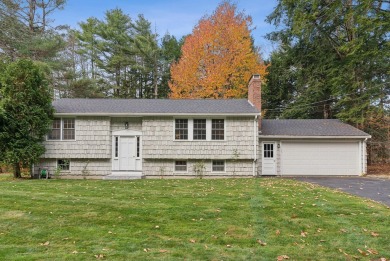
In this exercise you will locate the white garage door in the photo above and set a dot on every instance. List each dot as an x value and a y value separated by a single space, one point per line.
320 158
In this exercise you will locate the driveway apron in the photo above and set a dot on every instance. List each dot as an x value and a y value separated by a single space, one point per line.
373 188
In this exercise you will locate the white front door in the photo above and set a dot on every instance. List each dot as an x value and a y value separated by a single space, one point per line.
127 153
269 158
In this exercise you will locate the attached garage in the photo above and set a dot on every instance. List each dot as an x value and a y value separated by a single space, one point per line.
319 158
311 148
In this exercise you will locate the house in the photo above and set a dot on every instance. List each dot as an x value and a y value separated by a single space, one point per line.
134 138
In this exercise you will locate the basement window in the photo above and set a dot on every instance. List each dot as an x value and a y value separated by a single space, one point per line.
63 164
218 166
181 165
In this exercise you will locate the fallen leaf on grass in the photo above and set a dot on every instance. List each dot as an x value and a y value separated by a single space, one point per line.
374 234
282 257
372 251
163 251
362 252
100 256
303 233
192 241
343 230
146 249
45 244
261 243
74 252
277 232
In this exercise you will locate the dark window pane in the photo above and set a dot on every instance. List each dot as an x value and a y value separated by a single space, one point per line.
116 146
180 165
68 132
63 164
55 133
138 146
199 129
217 129
218 165
268 150
181 129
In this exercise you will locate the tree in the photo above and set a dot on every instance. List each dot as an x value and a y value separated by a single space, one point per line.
26 114
337 55
218 58
24 29
334 62
170 53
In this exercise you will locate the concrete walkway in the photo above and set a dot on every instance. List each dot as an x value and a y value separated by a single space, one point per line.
373 188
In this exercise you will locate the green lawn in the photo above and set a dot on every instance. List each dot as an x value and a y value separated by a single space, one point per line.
225 219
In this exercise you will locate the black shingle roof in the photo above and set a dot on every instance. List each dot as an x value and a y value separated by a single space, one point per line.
309 128
150 106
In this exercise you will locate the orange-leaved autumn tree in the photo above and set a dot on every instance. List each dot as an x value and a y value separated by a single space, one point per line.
218 58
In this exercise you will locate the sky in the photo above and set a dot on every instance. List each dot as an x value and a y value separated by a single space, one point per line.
176 17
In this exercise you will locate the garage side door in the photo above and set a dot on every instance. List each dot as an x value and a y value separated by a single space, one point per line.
320 158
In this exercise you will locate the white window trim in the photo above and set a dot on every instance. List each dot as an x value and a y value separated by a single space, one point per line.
191 128
224 166
180 171
62 128
70 165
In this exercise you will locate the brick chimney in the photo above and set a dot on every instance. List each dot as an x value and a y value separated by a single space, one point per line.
254 92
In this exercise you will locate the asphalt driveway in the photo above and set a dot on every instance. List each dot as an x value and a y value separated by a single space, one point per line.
373 188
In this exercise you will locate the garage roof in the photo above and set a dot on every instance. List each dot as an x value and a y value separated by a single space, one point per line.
304 128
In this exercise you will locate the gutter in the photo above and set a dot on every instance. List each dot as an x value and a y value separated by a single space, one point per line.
311 137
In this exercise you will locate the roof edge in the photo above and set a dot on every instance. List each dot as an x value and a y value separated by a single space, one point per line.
156 114
315 137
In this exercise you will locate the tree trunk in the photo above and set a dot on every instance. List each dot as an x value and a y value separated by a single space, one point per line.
17 173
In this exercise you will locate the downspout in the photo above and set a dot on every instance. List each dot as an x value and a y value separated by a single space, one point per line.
364 156
255 124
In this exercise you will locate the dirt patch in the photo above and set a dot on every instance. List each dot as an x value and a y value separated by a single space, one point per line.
379 170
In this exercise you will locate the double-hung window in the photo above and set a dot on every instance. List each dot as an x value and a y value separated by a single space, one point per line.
62 129
199 129
217 129
181 129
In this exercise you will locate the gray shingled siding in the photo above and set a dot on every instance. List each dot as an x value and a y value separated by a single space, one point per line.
79 168
159 143
93 146
165 167
119 123
93 141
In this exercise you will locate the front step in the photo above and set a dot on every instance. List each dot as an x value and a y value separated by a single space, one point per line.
124 175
